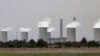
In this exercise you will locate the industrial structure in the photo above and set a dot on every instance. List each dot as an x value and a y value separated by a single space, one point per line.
71 34
71 30
43 33
97 34
3 36
24 36
61 28
57 39
49 36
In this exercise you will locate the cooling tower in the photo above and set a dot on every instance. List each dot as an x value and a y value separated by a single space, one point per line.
43 33
49 37
24 36
97 34
3 35
71 34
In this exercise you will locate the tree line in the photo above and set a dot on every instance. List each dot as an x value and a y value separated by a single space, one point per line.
42 44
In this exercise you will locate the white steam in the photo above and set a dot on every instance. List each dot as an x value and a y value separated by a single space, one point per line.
25 29
51 29
97 24
6 28
73 25
45 23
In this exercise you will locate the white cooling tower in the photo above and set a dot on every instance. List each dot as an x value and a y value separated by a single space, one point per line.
4 36
43 33
71 34
97 34
24 36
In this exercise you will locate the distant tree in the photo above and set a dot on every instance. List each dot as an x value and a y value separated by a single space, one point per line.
59 44
32 43
24 43
93 44
64 44
83 41
69 44
41 43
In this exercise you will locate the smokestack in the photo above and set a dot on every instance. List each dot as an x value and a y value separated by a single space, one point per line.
61 28
43 33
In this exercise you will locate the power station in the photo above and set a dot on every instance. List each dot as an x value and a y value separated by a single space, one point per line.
47 36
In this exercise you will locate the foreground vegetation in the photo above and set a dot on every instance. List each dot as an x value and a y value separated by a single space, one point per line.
42 44
49 54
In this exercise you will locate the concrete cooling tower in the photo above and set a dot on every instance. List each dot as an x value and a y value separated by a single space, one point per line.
71 34
49 37
97 31
97 34
24 36
4 36
71 30
43 33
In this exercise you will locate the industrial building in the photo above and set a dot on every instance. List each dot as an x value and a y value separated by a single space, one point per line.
56 40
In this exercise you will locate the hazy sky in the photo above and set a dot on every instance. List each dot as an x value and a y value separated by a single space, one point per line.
18 13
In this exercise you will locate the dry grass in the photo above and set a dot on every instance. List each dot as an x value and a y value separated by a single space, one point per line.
49 50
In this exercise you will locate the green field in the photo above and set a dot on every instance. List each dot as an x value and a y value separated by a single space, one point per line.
49 54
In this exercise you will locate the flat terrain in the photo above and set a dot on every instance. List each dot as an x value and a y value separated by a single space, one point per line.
49 54
49 51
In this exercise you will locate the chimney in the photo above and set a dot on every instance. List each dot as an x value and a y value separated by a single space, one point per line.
61 28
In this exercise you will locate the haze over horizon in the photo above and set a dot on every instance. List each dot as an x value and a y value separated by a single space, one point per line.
27 13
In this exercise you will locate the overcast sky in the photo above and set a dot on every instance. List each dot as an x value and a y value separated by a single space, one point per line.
18 13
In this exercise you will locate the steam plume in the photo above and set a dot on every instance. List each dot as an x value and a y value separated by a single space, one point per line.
51 29
6 28
97 24
25 29
45 23
73 25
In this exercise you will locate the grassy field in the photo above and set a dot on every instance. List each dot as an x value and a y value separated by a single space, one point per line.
49 54
49 51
